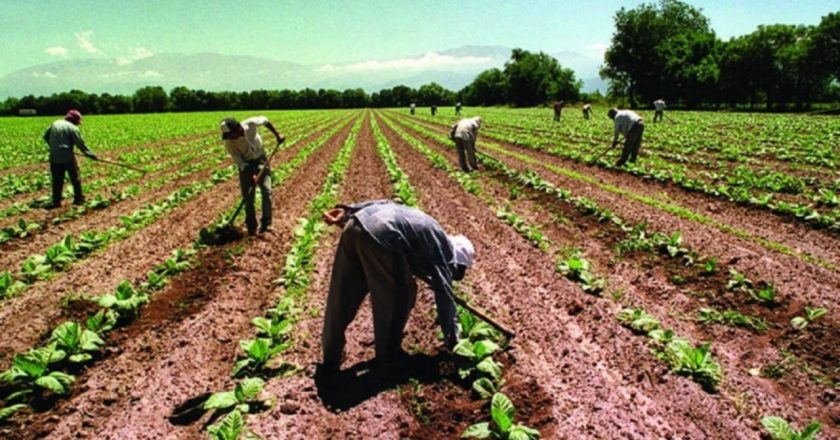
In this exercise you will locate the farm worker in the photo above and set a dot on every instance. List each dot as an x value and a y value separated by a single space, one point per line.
457 109
629 124
383 246
659 106
587 110
412 107
464 134
244 145
434 109
558 108
62 135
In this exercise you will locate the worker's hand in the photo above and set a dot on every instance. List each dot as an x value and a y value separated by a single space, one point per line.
280 139
335 216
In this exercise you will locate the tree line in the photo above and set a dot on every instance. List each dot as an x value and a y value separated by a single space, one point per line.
659 50
668 50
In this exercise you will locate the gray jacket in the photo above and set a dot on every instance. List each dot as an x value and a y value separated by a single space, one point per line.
421 239
62 136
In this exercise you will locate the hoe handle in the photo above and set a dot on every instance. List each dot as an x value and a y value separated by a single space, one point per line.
505 331
254 187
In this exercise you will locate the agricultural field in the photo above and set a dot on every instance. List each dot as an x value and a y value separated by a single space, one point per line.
690 296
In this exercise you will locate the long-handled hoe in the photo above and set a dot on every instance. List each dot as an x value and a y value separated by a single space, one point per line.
119 164
509 334
228 232
593 161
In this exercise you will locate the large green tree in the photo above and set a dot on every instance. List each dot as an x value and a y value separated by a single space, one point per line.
661 50
490 87
534 78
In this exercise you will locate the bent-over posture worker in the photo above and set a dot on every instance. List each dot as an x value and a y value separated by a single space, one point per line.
457 109
62 135
631 126
659 106
587 110
434 109
244 145
464 133
558 108
383 246
412 107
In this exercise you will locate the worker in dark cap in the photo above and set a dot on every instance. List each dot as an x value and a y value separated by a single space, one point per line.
62 135
383 246
244 145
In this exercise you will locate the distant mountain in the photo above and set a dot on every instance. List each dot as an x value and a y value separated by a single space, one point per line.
452 68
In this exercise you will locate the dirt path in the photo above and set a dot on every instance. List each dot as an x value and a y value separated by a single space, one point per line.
162 359
41 303
359 412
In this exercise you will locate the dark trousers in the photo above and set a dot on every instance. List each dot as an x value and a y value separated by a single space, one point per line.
246 186
362 265
556 116
585 114
466 152
658 115
58 170
632 144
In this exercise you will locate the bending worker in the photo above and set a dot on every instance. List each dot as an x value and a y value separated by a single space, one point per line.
558 109
659 106
631 126
383 246
464 133
62 135
244 145
587 110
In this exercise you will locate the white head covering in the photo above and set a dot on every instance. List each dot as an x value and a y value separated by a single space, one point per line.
463 250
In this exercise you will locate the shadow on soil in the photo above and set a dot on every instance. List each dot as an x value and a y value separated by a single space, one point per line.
348 388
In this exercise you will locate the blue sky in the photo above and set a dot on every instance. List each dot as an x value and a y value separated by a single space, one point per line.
340 31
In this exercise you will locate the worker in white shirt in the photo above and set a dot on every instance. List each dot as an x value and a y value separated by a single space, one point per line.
629 124
659 106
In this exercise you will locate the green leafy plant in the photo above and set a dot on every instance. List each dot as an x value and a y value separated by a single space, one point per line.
577 269
275 327
126 301
479 355
77 342
694 361
232 427
780 429
709 266
731 317
8 285
738 281
811 314
10 410
765 294
257 354
638 320
503 424
102 321
244 395
30 373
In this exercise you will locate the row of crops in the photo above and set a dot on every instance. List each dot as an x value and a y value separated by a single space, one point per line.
688 326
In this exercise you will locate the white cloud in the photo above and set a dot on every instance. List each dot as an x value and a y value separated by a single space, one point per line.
137 53
84 40
57 51
429 60
132 73
44 74
598 49
151 74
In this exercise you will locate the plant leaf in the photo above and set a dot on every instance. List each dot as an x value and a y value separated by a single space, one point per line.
225 399
778 428
248 388
502 411
8 411
479 430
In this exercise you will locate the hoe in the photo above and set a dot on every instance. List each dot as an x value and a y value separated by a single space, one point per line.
119 164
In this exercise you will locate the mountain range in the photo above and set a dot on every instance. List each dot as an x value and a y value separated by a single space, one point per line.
453 69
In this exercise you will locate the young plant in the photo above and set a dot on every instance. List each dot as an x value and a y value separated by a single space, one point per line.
765 294
503 424
244 395
10 410
638 320
126 301
257 354
695 362
475 329
780 429
275 327
710 266
800 322
9 285
479 355
232 427
30 374
102 321
576 268
76 341
731 317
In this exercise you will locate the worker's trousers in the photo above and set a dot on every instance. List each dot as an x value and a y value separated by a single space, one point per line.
246 186
362 265
658 115
466 148
58 170
632 144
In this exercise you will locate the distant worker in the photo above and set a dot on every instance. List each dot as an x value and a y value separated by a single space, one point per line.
245 147
457 109
62 135
558 108
411 107
464 133
659 106
631 126
383 247
587 110
434 109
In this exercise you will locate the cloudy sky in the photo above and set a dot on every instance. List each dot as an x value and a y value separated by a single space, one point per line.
371 34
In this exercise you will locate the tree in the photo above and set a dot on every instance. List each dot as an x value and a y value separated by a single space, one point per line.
661 50
536 78
150 99
824 48
488 88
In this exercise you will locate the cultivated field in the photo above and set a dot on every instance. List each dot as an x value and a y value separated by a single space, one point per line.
687 297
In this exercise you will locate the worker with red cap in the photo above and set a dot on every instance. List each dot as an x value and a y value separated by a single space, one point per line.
62 135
